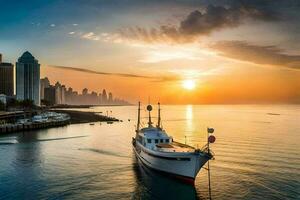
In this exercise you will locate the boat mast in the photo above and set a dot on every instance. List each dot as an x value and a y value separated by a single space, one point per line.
149 108
158 122
138 121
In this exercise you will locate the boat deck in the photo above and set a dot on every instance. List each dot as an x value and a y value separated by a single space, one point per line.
174 147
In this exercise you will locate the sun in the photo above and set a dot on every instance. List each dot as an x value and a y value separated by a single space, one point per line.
189 84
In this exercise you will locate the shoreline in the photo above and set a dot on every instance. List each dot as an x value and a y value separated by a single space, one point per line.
85 106
78 117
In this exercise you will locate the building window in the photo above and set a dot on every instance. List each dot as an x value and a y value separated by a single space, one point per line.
149 140
161 140
167 140
156 141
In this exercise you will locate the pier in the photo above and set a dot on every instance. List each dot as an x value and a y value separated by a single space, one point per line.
12 128
12 122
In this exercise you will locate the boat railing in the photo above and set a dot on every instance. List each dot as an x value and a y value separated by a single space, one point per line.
207 150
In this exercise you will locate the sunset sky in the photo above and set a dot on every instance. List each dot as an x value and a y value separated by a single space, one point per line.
178 52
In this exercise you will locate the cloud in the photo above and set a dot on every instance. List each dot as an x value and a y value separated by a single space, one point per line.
161 53
199 23
153 78
72 33
266 55
90 36
218 17
52 25
103 37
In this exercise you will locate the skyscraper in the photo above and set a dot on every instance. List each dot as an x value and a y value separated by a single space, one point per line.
85 91
6 78
58 93
63 94
110 97
28 78
49 94
44 83
104 97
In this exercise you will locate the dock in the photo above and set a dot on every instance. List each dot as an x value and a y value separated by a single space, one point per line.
12 128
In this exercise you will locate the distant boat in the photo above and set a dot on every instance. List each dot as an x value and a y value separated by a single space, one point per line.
273 114
109 122
157 150
92 124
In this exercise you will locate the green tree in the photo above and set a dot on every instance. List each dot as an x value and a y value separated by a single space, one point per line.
12 103
27 103
2 106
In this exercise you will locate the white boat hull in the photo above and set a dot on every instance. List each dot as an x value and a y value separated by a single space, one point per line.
182 165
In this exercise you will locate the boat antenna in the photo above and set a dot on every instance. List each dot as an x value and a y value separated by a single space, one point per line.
159 120
149 108
138 122
210 139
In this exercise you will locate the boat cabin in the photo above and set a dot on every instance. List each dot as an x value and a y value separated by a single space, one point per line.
155 138
150 137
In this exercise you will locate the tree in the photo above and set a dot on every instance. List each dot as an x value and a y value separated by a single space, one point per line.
45 102
12 103
2 106
27 103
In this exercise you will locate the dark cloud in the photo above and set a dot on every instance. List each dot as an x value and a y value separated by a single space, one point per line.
199 23
152 78
267 55
218 17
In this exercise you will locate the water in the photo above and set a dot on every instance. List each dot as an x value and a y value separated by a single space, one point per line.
257 157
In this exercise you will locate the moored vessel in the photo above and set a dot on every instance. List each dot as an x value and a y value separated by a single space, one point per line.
157 150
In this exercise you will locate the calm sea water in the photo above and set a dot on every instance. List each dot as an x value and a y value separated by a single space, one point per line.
257 156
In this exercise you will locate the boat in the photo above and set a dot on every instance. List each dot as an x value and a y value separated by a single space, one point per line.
155 149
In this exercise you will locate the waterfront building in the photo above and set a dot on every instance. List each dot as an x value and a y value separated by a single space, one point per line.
63 94
85 91
49 95
93 98
28 78
44 83
99 98
104 97
69 95
110 97
58 93
6 78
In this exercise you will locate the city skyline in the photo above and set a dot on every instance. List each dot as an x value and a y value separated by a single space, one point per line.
189 52
25 78
58 93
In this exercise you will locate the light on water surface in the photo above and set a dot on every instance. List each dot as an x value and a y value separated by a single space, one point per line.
256 156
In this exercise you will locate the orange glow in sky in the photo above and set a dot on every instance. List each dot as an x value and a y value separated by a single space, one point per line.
187 53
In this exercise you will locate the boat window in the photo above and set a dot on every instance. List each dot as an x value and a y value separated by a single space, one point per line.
156 140
149 140
167 140
161 140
